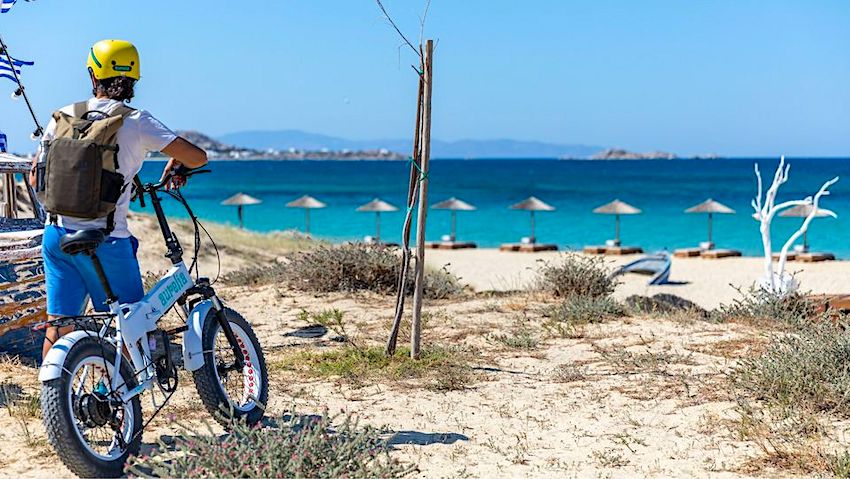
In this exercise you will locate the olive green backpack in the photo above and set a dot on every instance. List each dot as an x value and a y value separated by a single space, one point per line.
81 177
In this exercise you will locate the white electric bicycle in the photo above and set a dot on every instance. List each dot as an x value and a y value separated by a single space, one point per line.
91 392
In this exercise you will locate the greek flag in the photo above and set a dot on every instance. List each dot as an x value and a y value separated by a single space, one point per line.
6 5
2 142
7 68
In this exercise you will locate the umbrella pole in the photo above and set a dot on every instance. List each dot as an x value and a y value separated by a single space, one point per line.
617 229
307 219
805 241
239 213
709 228
454 225
533 238
377 226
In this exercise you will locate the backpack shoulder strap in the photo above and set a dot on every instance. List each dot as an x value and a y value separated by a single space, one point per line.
80 109
123 111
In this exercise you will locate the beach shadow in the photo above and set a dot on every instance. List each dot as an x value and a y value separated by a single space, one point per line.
308 332
676 283
417 438
490 369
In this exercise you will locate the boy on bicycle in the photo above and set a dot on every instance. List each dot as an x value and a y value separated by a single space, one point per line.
114 69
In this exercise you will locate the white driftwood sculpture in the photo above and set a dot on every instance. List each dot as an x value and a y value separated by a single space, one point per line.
779 281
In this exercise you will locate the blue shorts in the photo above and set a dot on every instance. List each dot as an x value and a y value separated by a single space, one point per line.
71 280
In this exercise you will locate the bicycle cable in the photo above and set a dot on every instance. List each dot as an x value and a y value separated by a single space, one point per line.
198 226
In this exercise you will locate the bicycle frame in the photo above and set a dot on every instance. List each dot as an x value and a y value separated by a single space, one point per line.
134 321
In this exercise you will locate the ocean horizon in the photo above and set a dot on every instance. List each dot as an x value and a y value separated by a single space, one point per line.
662 189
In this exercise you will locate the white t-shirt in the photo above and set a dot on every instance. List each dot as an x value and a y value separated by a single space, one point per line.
140 134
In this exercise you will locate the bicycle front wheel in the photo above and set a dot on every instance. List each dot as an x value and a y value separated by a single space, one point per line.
226 392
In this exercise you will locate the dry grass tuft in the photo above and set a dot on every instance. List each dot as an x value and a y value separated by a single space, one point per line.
439 368
345 268
576 275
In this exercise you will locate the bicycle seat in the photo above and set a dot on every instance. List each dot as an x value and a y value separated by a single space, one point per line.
83 241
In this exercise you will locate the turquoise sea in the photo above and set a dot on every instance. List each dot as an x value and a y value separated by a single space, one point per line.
663 189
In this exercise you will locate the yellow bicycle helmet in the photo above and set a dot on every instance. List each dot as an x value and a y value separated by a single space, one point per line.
114 58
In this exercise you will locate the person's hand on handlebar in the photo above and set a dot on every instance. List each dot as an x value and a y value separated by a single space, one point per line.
175 180
182 153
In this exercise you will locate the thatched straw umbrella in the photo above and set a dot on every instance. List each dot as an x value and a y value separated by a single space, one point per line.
377 206
802 211
617 208
240 200
532 204
307 203
454 205
710 207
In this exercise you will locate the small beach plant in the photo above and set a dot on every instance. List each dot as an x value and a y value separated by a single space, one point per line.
576 275
310 447
790 398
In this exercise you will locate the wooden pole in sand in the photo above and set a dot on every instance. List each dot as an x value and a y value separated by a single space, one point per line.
416 324
413 188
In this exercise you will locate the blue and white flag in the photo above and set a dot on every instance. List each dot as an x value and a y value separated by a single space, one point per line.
7 68
3 145
6 5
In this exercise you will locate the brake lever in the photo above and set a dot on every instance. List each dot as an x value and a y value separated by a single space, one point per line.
197 172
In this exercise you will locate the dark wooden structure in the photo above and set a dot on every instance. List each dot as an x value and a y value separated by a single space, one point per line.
22 295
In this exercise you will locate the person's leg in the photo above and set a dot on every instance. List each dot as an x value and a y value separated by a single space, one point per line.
66 290
118 258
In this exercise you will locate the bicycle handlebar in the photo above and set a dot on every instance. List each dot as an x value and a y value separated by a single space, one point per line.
179 171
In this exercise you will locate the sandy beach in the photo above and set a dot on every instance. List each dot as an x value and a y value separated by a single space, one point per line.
706 282
638 396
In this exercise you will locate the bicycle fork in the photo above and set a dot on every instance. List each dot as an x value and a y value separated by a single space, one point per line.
239 358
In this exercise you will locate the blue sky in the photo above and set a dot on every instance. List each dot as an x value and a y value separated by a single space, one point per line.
733 77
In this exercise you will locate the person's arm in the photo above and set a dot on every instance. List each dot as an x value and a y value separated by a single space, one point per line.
184 153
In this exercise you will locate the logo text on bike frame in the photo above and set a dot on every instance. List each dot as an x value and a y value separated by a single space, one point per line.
169 288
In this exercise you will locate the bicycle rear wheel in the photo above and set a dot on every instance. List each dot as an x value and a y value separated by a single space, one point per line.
92 434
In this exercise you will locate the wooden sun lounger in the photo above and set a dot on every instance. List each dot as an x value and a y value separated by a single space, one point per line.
613 250
719 253
792 256
450 244
687 252
815 257
528 247
623 250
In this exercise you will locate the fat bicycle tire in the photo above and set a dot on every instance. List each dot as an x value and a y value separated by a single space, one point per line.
208 383
58 419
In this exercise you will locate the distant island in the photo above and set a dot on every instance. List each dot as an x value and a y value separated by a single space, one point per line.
217 150
620 154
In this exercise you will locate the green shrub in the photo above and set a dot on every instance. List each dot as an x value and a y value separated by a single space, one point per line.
760 307
522 339
576 275
311 447
346 268
809 369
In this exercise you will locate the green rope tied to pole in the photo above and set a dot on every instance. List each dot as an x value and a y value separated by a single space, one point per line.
422 175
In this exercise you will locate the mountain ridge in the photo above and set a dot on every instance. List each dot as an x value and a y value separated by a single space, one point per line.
467 149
